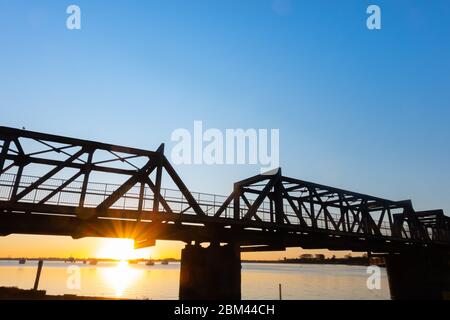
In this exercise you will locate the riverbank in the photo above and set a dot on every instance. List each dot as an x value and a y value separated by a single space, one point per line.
20 294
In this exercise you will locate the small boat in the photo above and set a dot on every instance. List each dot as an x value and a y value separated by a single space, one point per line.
150 263
22 261
165 262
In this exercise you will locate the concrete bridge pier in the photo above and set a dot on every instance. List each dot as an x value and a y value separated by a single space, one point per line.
211 273
419 275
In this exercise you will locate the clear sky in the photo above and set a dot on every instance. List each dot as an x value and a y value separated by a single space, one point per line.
358 109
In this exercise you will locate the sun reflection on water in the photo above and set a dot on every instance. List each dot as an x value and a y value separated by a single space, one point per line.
121 277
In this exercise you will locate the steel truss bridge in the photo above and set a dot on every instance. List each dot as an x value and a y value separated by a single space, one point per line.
49 186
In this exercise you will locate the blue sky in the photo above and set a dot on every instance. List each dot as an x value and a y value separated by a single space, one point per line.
357 109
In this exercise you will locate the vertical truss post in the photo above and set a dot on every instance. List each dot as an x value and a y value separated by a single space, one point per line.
311 209
237 201
4 153
87 172
344 214
278 199
440 228
17 182
391 222
398 225
141 197
159 168
21 165
272 213
325 216
365 221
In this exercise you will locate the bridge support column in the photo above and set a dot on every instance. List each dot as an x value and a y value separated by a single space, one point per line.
419 275
212 273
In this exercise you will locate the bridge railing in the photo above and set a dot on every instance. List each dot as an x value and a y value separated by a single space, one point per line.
210 203
97 192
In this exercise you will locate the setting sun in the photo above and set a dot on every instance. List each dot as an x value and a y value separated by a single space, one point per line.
121 249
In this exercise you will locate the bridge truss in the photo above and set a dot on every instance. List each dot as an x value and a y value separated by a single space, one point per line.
49 185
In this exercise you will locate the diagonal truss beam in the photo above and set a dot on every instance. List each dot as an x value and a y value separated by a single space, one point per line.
47 176
264 193
139 176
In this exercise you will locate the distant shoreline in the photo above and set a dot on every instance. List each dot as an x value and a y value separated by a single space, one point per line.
356 261
85 259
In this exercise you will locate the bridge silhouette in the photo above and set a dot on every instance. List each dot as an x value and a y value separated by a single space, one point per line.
50 185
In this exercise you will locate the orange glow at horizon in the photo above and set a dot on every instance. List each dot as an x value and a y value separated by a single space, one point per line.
30 246
121 249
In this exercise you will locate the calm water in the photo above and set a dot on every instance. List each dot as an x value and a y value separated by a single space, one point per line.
259 281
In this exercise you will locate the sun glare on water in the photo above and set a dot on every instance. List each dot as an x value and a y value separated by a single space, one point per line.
121 277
